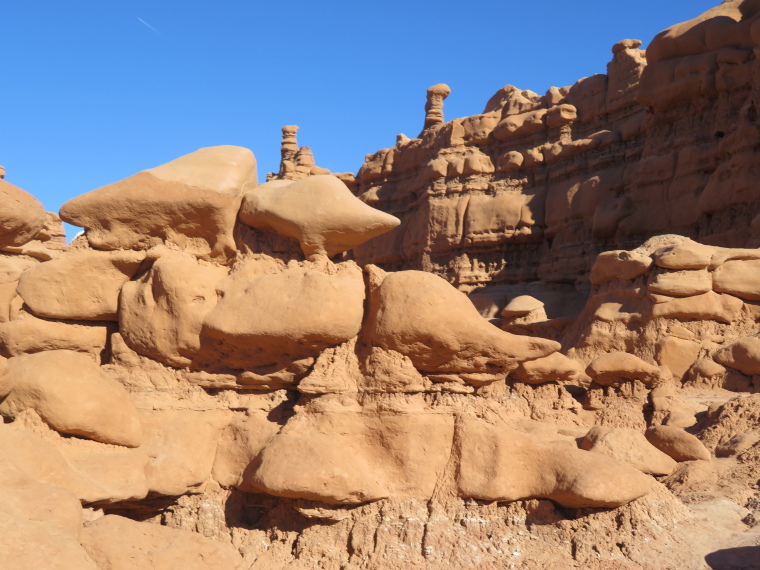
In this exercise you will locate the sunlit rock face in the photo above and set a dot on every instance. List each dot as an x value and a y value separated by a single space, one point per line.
529 337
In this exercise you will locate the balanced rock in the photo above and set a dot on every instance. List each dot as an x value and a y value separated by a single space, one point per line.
81 285
677 443
319 211
21 215
629 446
191 202
612 368
73 395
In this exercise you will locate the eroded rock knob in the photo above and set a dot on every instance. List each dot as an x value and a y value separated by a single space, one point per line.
434 106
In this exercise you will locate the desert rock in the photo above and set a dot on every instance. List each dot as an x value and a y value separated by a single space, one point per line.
191 201
71 393
22 215
677 443
320 212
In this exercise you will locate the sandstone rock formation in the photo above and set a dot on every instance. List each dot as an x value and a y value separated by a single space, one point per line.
549 359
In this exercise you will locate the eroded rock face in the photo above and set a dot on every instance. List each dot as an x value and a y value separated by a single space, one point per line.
221 358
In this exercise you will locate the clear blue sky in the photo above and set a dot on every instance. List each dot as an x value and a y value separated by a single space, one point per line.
96 90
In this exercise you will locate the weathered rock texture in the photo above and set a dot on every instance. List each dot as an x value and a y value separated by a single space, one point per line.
221 375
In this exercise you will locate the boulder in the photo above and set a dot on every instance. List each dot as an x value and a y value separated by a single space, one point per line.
119 543
161 314
710 306
73 395
21 216
677 443
691 255
740 277
27 333
497 463
191 202
276 317
685 283
612 368
80 285
629 446
421 316
743 355
319 211
619 264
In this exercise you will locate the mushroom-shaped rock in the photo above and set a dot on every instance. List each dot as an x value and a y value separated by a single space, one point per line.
524 309
119 543
21 215
680 445
191 202
319 211
80 285
498 463
612 368
269 318
423 317
743 355
630 446
73 395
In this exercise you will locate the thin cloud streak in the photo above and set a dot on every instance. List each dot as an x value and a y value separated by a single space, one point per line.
149 26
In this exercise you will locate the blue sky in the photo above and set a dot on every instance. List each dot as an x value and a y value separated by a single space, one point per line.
94 91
